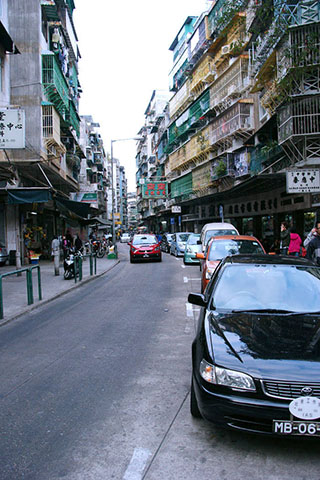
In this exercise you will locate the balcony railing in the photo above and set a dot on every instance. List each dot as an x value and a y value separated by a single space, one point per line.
300 118
73 118
197 146
238 120
204 74
231 83
54 83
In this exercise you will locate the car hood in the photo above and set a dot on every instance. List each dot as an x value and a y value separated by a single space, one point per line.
270 346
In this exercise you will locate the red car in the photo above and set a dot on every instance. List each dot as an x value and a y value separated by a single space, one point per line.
144 247
226 245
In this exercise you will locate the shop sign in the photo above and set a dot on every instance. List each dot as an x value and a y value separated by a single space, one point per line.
176 209
87 197
12 128
303 181
155 190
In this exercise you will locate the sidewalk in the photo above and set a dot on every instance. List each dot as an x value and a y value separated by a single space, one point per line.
14 288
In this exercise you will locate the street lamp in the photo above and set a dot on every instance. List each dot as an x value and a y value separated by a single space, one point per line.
113 189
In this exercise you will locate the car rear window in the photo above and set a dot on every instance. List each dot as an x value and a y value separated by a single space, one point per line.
144 240
222 248
218 233
183 237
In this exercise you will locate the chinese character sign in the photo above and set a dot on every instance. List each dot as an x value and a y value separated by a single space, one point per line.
12 128
155 190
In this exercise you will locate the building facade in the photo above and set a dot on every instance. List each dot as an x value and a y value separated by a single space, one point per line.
244 114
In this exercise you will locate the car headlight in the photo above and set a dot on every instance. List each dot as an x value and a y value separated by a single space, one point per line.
181 245
209 273
226 377
188 250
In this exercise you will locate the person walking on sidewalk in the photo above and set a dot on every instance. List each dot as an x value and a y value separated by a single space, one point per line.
284 238
313 248
295 243
78 243
55 252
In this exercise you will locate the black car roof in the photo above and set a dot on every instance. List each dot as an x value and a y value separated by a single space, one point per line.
269 260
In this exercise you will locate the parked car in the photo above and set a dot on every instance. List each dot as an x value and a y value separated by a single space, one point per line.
215 229
178 243
3 254
166 242
220 247
144 247
125 238
255 358
192 248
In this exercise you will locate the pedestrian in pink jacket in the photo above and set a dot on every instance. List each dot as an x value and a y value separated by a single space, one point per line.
295 243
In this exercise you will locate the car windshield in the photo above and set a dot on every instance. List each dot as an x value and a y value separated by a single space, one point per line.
193 239
275 287
222 248
144 240
182 237
218 233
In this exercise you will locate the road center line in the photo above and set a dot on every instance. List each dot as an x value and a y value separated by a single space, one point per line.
137 464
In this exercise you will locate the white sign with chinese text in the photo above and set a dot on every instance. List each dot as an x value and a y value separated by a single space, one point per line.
12 128
176 209
303 181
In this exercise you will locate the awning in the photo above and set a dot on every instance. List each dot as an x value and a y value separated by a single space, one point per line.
98 221
75 210
6 40
28 195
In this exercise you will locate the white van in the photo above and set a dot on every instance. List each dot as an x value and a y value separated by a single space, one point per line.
215 229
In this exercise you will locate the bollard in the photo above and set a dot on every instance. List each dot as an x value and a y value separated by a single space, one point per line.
56 262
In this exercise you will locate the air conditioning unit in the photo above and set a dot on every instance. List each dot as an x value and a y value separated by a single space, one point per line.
225 49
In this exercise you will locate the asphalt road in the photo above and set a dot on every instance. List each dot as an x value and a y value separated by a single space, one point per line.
95 386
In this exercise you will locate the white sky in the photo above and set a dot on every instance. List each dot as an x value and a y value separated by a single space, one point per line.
124 47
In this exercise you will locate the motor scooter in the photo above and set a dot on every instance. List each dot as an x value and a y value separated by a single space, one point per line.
69 263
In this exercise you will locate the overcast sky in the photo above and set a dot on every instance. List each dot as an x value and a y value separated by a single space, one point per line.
124 47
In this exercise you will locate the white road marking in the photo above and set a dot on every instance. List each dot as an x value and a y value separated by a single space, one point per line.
183 266
187 279
189 309
137 464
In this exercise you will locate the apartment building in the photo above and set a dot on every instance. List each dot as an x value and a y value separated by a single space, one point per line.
244 117
45 88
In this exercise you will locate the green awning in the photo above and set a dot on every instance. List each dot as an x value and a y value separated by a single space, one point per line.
72 209
28 195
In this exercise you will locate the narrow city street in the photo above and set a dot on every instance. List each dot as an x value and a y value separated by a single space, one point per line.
95 385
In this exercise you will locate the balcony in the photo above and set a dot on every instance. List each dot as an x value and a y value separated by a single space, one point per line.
231 84
235 122
51 133
201 178
72 117
180 100
203 75
54 83
300 118
196 148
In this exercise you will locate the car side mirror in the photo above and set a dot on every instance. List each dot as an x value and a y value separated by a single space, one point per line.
197 299
199 242
200 255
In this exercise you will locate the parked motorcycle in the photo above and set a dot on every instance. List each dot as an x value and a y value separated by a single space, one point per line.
69 263
98 248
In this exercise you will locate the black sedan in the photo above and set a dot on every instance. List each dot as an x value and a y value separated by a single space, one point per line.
256 355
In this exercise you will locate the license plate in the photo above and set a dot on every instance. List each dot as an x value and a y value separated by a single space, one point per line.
285 427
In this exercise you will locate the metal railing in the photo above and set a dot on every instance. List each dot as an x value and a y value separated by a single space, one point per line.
29 285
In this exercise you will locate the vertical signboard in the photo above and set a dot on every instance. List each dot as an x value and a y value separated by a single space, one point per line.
12 128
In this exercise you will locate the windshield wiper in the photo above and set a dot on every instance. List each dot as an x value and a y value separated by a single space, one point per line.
265 310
